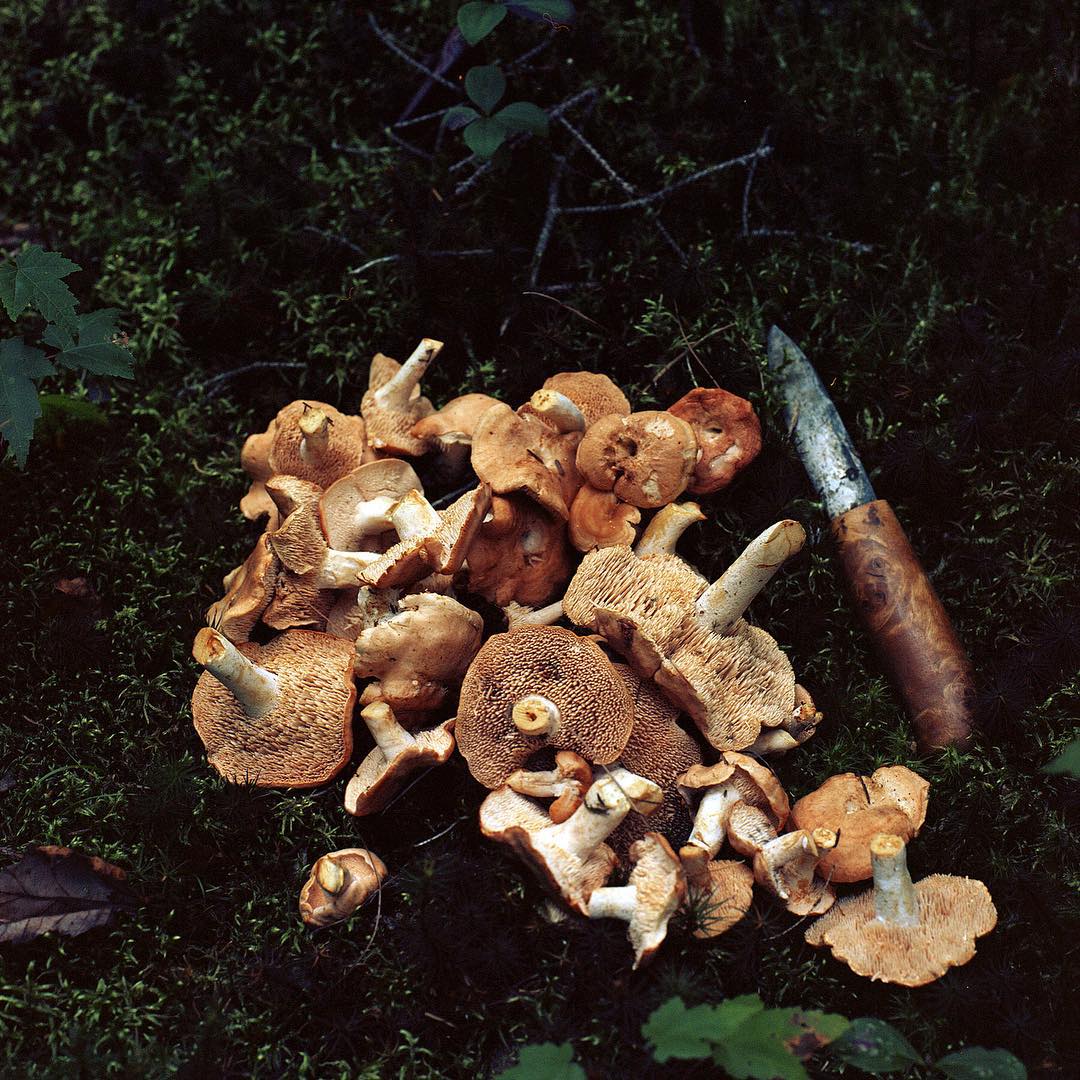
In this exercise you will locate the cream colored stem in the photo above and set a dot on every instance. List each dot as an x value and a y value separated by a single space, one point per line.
772 741
723 602
315 425
613 902
330 876
395 393
668 524
535 715
540 784
254 687
544 616
413 516
557 411
895 900
391 738
644 795
790 860
591 823
695 863
710 821
340 569
373 516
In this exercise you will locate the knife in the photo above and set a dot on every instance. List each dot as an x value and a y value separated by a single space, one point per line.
891 592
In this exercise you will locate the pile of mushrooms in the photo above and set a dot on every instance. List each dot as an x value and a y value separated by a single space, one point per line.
624 754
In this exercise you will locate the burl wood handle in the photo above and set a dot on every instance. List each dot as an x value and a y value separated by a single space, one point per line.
908 625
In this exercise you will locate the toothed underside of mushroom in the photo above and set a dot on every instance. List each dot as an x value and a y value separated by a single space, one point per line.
391 431
248 594
298 602
593 393
722 900
307 738
343 452
953 912
660 885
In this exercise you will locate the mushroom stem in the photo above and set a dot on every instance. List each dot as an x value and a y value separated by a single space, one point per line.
395 394
695 863
330 876
606 804
340 569
710 821
895 900
663 532
557 411
724 601
537 716
414 516
254 687
516 615
315 425
373 515
613 902
391 738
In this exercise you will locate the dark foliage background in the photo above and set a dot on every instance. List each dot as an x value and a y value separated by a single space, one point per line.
219 170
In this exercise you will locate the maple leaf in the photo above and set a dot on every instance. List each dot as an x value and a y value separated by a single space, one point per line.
91 347
59 890
35 278
20 366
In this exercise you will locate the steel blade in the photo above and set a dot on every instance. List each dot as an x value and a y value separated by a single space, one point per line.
819 434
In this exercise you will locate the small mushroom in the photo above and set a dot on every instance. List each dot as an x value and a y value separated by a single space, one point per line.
719 892
792 732
593 393
275 715
654 893
646 458
248 592
339 883
728 432
666 529
566 783
354 512
904 932
786 867
397 755
392 407
600 519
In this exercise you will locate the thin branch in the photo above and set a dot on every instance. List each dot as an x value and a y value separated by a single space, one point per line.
468 253
334 238
406 145
746 187
389 41
420 119
521 61
792 234
362 150
548 224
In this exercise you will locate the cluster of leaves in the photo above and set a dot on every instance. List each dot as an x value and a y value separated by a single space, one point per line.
751 1042
35 279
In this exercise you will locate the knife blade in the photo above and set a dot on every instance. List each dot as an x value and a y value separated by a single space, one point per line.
893 596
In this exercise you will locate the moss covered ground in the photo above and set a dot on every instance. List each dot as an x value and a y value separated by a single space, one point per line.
219 171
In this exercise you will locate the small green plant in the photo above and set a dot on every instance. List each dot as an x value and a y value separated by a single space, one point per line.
35 279
477 19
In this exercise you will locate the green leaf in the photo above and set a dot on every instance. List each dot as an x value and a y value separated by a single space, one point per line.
35 278
978 1063
20 365
1067 763
523 116
478 19
57 409
92 348
758 1047
485 86
875 1047
459 116
559 10
730 1014
548 1061
484 136
678 1032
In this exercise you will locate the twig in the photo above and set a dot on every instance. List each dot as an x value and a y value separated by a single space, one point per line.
431 839
218 381
389 41
548 224
343 149
335 238
420 119
452 48
792 234
746 187
468 253
581 314
687 15
521 61
406 145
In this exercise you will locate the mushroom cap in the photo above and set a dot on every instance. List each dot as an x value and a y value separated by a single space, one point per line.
298 602
278 449
306 739
596 711
892 800
248 591
758 785
524 825
749 829
646 458
298 541
519 555
719 891
728 432
660 885
356 610
377 781
419 653
593 393
600 519
953 912
786 866
390 478
566 782
459 415
360 873
521 453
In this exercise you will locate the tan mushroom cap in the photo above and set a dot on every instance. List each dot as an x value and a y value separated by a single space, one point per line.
521 453
299 602
749 829
595 710
520 554
893 800
600 519
248 591
309 456
356 610
393 405
346 523
758 785
787 866
728 432
719 891
339 883
419 653
298 541
458 416
593 393
305 738
646 458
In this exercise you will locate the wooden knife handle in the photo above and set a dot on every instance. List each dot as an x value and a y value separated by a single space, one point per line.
909 627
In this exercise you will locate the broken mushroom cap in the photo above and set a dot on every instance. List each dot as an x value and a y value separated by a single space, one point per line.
719 892
355 510
728 432
566 783
275 715
397 754
749 829
248 591
392 408
792 732
339 883
593 393
584 704
554 409
904 932
646 458
892 800
786 867
654 893
600 519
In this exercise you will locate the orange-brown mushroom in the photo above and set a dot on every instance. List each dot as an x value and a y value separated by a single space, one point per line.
600 519
248 592
393 406
354 512
593 393
719 892
728 432
566 783
339 883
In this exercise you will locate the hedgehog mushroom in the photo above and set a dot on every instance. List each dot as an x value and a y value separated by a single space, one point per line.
857 808
397 755
728 432
449 432
248 592
539 686
566 783
392 406
786 867
275 715
594 394
601 519
719 892
749 829
354 512
339 883
904 932
792 732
